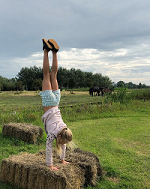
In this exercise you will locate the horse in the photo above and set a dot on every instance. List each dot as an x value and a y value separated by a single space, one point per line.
106 91
99 90
94 90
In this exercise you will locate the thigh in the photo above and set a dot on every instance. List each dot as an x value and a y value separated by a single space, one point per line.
46 84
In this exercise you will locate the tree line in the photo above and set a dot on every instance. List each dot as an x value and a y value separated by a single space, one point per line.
131 85
31 79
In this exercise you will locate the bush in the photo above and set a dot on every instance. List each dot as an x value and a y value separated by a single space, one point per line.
120 96
141 94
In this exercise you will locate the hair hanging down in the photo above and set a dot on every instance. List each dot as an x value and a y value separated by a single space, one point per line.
66 136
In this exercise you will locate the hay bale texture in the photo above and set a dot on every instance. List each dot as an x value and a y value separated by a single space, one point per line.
29 171
23 131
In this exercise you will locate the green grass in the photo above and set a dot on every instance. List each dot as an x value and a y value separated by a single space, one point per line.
119 134
122 145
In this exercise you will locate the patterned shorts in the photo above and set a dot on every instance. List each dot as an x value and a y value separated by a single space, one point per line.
50 98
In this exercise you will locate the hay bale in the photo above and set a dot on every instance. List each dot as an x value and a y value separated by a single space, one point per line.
87 161
30 171
23 131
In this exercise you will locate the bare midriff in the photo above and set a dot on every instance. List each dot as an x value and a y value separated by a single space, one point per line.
47 108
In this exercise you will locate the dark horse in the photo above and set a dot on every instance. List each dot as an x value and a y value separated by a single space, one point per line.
97 90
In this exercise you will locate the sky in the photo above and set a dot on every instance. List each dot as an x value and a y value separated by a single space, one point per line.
109 37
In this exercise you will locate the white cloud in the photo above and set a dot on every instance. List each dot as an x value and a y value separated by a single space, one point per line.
119 64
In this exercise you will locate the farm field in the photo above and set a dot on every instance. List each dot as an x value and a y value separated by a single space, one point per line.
118 133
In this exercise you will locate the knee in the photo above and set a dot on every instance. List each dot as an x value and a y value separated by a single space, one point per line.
53 74
46 76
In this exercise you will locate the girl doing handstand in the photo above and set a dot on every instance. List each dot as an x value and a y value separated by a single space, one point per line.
53 123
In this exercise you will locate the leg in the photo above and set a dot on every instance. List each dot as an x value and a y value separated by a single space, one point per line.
46 85
53 74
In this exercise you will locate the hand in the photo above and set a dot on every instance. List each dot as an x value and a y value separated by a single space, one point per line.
64 162
53 168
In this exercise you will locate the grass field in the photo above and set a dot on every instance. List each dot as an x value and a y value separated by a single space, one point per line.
119 134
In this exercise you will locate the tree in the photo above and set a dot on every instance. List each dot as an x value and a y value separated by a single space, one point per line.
37 84
1 83
19 85
106 82
62 77
71 79
28 75
79 79
130 85
97 79
88 79
120 84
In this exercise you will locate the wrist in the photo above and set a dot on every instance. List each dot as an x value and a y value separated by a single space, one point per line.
50 166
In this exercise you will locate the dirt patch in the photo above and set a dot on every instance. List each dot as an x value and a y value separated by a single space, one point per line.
23 131
114 180
30 171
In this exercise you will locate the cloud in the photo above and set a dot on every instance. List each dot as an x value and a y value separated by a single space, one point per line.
111 37
96 61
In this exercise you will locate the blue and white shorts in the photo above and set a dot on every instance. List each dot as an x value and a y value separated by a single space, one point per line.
50 98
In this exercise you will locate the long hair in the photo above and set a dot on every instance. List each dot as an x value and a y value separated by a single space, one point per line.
66 137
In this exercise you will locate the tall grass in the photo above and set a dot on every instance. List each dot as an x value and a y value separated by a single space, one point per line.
21 114
120 96
124 97
142 94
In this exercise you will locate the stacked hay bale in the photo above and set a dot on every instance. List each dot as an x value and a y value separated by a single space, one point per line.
23 131
88 162
30 171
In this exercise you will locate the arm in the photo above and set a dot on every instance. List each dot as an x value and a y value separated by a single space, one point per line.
49 148
62 156
63 147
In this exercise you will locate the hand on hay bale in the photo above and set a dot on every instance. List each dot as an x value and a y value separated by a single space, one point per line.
53 168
